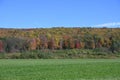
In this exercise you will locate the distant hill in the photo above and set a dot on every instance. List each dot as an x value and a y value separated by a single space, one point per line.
60 38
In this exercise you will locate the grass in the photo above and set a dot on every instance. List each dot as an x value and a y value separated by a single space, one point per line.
60 69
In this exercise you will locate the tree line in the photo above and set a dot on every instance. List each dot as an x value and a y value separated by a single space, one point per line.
18 40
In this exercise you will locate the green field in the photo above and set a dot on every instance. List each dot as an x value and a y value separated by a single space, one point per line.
60 69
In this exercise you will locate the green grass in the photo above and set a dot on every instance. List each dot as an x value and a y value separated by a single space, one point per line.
60 69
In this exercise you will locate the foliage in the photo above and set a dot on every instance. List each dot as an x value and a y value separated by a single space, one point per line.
21 40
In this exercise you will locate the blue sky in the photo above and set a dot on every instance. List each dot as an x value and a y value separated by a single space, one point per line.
56 13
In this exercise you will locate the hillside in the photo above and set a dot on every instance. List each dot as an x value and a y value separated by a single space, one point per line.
17 40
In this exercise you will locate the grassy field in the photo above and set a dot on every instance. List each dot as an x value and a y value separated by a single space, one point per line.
60 69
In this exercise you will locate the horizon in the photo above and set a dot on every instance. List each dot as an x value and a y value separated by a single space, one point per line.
62 27
51 13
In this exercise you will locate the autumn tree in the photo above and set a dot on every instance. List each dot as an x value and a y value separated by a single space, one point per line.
32 44
13 44
115 46
51 44
1 46
44 42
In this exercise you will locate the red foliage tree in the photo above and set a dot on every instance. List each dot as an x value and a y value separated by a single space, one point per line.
1 46
77 44
51 44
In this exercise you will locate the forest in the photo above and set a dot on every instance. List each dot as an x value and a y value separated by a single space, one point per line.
59 38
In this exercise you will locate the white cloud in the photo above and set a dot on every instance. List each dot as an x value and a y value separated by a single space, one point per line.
113 24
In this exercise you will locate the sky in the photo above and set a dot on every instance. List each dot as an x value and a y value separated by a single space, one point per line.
58 13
